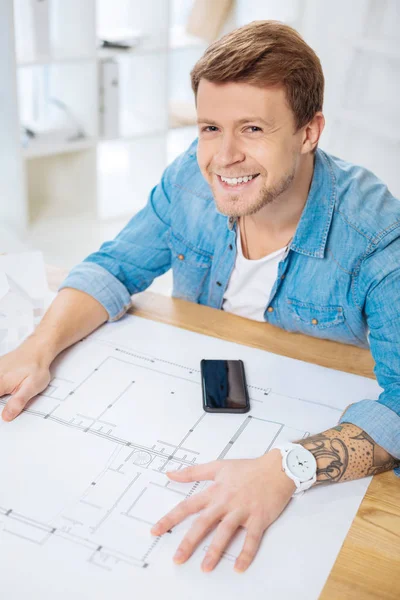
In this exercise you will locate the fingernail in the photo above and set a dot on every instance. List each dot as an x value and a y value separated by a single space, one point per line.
240 566
207 563
179 556
155 530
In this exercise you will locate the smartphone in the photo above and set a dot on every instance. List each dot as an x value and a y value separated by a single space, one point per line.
224 386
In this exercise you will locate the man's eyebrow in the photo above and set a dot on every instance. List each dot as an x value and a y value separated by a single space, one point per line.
239 122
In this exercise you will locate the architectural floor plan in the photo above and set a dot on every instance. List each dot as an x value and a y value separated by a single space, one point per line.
82 472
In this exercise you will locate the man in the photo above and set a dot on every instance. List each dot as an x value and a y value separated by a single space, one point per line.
255 219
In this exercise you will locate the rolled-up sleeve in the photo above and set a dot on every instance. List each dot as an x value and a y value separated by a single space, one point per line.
380 422
102 286
380 277
140 252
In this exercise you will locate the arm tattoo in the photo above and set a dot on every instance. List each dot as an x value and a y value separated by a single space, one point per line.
346 452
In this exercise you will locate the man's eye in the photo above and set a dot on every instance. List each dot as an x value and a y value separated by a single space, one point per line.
210 128
254 128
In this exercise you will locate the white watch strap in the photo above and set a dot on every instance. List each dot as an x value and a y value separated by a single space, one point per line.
301 487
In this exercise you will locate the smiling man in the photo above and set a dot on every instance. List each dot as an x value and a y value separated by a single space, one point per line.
254 219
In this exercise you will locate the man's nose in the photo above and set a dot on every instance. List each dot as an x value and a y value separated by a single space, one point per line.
229 151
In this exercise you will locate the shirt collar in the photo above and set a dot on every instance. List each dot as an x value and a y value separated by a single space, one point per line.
313 228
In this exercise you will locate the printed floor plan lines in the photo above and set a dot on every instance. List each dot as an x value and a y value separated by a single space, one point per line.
123 407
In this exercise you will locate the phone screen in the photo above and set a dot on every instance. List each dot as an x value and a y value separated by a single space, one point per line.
224 386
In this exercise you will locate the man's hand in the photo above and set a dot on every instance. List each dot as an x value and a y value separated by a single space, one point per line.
248 493
24 373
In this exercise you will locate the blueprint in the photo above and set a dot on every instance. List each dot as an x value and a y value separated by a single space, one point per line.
82 470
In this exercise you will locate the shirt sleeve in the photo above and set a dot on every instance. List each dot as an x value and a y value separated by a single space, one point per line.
380 278
129 263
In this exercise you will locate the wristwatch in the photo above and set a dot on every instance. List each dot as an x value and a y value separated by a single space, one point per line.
300 465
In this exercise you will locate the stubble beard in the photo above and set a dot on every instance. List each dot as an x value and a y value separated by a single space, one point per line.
266 196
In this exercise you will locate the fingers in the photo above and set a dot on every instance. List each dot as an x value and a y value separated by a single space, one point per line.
196 473
18 401
180 512
197 532
251 545
223 535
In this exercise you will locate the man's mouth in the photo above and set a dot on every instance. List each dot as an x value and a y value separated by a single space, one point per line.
236 182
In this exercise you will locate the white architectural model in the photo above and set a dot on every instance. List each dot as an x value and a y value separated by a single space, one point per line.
23 297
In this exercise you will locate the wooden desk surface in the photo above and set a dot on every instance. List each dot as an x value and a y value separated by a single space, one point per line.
368 565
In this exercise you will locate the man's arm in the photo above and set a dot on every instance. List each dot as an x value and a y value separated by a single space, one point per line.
96 290
346 452
376 437
252 493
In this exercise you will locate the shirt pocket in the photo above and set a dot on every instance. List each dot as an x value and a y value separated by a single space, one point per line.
322 321
190 267
316 316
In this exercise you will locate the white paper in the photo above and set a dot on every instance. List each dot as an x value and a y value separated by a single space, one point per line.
82 471
24 297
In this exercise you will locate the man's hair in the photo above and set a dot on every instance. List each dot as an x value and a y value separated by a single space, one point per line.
266 53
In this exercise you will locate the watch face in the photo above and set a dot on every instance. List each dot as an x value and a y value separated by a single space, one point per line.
301 463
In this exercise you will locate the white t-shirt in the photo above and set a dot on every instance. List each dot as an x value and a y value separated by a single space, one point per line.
251 283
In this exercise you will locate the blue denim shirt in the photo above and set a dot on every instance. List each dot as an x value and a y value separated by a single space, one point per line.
339 279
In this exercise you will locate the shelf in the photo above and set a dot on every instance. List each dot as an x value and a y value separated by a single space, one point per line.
55 60
134 136
39 149
178 40
140 49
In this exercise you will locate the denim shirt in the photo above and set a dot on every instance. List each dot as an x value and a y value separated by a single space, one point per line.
339 278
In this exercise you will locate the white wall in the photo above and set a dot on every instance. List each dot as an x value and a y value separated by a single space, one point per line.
358 43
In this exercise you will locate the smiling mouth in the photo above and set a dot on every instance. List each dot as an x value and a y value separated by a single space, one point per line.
236 182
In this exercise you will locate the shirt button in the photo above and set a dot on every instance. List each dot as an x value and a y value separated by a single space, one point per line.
219 283
283 276
270 309
314 321
181 257
230 247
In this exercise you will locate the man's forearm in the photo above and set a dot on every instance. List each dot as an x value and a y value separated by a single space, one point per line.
345 452
71 317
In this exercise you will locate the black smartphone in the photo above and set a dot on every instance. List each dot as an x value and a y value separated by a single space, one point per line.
224 386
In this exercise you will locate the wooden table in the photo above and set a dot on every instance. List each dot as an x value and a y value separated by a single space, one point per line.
368 565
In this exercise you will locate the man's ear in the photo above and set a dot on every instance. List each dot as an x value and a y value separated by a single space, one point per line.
312 132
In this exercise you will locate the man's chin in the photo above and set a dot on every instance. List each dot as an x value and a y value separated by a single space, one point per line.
226 212
237 210
233 208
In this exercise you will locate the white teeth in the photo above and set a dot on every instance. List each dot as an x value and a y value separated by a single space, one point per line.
236 180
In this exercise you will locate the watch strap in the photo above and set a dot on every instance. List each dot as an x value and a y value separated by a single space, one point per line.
301 486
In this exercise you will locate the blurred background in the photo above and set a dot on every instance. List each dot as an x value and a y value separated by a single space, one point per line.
95 102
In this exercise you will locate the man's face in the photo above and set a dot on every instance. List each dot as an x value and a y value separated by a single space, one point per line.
246 131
